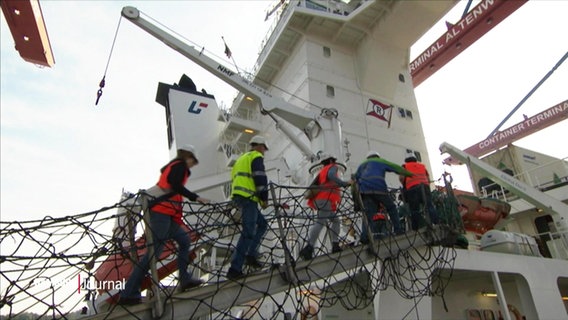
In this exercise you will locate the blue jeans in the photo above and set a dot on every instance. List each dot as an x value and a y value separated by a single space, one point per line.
163 228
254 227
371 202
418 197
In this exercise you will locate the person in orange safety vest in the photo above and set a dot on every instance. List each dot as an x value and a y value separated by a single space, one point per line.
325 202
417 191
166 221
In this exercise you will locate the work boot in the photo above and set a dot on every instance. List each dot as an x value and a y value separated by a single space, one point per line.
307 252
253 262
233 274
335 247
125 301
192 283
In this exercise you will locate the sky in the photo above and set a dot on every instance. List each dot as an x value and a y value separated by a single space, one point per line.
62 155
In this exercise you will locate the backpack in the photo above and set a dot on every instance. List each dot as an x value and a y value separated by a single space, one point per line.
312 190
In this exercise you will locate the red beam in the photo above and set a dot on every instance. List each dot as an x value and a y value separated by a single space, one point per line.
25 19
518 131
476 23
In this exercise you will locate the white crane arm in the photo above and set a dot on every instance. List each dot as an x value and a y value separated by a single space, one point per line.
556 208
301 118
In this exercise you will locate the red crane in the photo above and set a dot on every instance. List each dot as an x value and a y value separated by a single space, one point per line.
473 25
25 19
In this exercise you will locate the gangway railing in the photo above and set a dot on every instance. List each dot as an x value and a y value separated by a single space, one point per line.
289 274
80 263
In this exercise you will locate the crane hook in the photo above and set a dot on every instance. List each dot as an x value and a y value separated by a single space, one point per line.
100 91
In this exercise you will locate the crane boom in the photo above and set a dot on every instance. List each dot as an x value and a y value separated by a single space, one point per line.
313 125
539 121
473 25
556 208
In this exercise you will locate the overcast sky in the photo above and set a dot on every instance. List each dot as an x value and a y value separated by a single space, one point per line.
62 155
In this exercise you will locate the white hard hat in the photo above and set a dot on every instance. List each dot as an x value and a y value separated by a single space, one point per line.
189 148
409 154
373 154
325 156
259 140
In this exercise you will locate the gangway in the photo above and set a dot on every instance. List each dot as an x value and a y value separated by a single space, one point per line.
225 294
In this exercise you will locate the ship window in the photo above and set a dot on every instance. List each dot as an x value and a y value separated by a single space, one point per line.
330 91
326 52
401 77
404 113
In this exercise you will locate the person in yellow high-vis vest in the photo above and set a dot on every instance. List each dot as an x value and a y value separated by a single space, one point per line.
249 190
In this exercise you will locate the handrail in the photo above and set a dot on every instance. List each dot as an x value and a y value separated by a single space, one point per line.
527 176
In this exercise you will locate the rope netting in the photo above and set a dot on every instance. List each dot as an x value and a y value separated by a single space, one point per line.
65 267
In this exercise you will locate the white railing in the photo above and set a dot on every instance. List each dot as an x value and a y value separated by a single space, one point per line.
532 177
556 243
330 6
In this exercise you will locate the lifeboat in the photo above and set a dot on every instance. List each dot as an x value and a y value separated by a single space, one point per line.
509 242
481 214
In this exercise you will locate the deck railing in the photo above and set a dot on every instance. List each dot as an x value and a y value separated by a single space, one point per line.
556 170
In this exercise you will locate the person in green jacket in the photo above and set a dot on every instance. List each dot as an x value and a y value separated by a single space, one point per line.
370 177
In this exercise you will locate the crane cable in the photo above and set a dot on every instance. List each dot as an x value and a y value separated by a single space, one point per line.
529 94
102 83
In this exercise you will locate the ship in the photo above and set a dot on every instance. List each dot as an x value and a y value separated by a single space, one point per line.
315 89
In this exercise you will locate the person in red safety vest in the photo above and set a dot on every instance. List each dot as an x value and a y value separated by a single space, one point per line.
417 191
325 202
166 223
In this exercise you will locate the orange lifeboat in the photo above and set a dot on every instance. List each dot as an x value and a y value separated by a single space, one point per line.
480 215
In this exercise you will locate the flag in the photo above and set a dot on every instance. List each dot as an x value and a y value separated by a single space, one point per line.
228 51
379 110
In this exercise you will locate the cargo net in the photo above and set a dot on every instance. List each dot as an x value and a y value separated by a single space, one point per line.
65 267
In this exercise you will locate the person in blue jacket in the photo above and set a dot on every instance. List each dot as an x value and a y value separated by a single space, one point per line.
370 177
